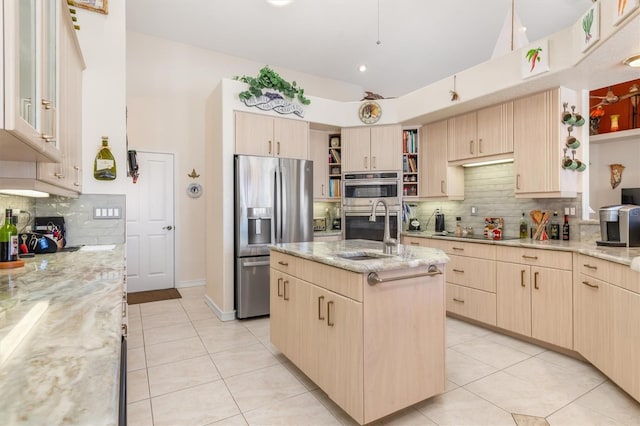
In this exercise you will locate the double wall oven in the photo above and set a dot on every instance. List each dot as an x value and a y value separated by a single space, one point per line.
361 190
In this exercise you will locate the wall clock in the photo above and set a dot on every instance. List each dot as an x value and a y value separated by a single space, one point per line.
370 112
194 190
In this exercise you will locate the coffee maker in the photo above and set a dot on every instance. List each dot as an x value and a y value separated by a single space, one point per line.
620 226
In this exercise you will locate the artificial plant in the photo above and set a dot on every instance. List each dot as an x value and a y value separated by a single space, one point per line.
269 79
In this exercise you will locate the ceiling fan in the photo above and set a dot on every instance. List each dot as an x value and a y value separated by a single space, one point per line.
610 98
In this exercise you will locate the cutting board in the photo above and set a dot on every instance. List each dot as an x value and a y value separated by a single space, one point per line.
493 228
12 264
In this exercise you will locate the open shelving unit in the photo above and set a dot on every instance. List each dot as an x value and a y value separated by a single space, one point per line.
335 165
410 163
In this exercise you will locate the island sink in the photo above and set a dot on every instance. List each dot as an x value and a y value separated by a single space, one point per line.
362 255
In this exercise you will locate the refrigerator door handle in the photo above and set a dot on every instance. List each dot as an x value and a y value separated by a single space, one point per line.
278 205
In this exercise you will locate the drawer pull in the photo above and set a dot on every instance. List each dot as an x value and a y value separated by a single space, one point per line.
330 323
283 263
586 265
522 272
535 280
320 300
524 256
458 300
458 270
414 243
458 248
587 283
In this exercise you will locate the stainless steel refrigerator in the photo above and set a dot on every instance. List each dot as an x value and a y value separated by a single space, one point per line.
273 204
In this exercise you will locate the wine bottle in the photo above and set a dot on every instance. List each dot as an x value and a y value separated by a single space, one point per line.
14 238
523 227
565 228
554 228
5 238
104 166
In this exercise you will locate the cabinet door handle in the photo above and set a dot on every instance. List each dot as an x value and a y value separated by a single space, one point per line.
458 300
330 322
442 187
522 272
586 265
373 162
283 263
320 300
285 292
366 162
471 147
524 256
323 189
269 147
279 283
590 285
479 146
518 181
278 148
535 280
458 270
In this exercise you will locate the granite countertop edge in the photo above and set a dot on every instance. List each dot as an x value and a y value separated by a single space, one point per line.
66 368
620 255
403 257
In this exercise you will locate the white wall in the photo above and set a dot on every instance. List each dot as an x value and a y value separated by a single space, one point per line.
102 39
166 89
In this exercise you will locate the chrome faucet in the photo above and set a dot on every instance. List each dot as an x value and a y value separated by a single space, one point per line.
387 242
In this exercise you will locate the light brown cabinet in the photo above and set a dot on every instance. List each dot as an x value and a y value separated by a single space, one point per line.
538 149
484 133
351 337
534 294
263 135
377 148
438 179
607 319
318 154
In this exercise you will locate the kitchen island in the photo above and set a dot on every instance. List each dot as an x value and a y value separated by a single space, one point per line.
366 327
60 329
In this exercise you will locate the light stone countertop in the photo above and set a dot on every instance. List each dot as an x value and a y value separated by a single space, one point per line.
620 255
66 369
327 252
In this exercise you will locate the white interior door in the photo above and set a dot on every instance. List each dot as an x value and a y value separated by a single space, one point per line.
150 224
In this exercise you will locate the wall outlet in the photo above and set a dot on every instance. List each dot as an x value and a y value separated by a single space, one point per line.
106 213
474 211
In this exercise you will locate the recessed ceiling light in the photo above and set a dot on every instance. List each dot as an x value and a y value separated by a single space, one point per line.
362 68
523 29
279 3
632 61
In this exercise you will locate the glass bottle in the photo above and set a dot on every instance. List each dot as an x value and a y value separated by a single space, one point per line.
524 227
458 227
565 228
554 228
14 237
104 166
5 238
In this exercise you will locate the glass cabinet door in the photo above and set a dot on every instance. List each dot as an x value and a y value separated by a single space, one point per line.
49 101
27 60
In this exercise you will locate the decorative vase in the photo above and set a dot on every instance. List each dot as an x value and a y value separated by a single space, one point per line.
594 125
614 122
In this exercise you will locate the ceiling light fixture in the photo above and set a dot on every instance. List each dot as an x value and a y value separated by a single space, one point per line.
362 68
279 3
633 61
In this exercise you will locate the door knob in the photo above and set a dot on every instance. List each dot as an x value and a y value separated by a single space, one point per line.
168 228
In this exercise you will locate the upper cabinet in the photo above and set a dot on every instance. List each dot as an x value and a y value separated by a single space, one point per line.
264 135
538 148
480 134
324 151
68 172
30 72
438 179
377 148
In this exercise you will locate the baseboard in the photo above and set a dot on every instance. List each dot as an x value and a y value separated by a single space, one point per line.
192 283
223 316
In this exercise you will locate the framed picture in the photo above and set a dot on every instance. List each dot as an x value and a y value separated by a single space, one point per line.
535 59
93 5
590 24
622 9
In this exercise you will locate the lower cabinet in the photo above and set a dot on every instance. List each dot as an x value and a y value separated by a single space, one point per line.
607 319
533 299
352 338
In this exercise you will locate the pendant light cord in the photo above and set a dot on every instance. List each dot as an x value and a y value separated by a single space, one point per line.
378 42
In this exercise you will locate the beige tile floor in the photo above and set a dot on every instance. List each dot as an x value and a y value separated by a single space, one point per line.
185 367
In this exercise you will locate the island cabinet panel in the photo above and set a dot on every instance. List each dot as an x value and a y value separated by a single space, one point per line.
374 349
535 300
470 303
404 328
607 320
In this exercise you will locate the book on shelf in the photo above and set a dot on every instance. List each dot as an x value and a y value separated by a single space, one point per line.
334 188
412 164
409 141
335 155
